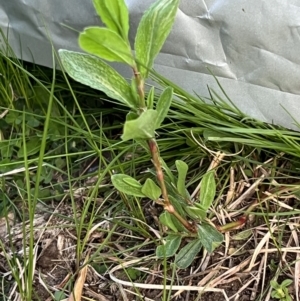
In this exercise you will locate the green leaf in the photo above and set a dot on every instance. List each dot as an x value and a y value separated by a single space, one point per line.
182 169
242 235
178 207
210 237
151 190
127 185
166 219
114 14
150 98
13 117
33 122
100 268
170 247
163 105
209 134
133 274
59 295
188 253
208 189
93 72
141 128
131 116
43 193
195 212
167 170
33 146
286 282
106 44
152 32
134 93
132 182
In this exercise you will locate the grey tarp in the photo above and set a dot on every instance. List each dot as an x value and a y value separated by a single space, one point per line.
251 46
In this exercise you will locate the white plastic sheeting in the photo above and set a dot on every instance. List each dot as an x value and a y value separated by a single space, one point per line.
251 46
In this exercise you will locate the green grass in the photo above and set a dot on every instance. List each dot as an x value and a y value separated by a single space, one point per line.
60 143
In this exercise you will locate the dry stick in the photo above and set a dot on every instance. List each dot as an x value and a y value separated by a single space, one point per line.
159 286
297 263
242 220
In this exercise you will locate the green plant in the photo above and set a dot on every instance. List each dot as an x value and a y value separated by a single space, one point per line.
280 291
183 217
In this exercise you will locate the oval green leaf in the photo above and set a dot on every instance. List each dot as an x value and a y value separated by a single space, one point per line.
166 219
195 212
91 71
286 282
167 171
179 208
141 128
152 32
127 185
182 169
242 235
150 98
188 253
163 105
106 44
170 247
132 182
208 189
33 146
210 237
151 190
